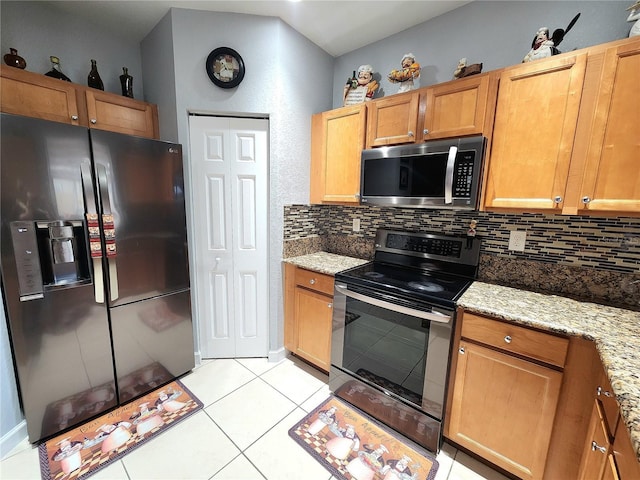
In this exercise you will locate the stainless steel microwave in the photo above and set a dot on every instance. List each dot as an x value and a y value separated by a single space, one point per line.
437 174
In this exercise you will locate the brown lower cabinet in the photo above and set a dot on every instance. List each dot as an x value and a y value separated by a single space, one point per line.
308 314
532 403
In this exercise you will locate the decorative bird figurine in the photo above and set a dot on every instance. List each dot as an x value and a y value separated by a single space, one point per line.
544 46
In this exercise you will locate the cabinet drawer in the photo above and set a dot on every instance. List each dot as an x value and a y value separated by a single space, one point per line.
314 281
513 338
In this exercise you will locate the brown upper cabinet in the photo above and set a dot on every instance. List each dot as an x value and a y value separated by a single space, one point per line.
392 120
563 139
337 140
459 108
36 95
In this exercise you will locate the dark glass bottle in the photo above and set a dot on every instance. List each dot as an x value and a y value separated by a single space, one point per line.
55 71
126 81
94 80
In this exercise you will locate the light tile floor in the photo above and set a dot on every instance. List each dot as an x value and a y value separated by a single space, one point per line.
241 434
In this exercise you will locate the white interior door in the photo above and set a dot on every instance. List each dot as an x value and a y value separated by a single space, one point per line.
229 168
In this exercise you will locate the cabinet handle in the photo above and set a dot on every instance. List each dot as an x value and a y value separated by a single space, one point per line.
595 446
461 350
507 339
94 121
410 133
312 281
425 132
74 117
606 393
586 200
557 199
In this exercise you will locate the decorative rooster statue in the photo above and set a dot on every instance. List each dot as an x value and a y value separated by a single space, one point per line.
544 46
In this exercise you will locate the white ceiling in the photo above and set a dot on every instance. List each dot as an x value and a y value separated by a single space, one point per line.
338 27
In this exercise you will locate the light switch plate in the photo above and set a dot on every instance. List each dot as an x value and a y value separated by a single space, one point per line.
517 239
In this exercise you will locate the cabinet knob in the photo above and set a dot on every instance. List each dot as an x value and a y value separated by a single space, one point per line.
330 305
425 132
356 195
312 281
557 199
94 121
586 200
410 133
74 117
507 339
595 446
461 350
600 391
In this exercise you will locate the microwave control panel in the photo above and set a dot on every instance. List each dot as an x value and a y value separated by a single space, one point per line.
463 175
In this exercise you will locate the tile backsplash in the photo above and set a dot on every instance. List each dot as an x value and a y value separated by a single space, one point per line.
589 258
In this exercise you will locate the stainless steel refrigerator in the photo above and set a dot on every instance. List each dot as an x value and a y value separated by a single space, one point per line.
94 267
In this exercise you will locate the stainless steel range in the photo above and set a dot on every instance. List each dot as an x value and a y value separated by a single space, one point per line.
392 326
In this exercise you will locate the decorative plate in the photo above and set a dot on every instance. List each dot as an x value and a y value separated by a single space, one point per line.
225 67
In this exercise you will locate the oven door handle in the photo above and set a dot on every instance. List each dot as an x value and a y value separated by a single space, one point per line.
433 316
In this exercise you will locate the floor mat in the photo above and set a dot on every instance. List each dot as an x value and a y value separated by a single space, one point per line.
353 446
82 451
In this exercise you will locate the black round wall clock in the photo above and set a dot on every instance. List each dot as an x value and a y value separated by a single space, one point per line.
225 67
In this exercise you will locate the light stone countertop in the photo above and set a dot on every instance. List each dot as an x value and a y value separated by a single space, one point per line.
615 331
323 262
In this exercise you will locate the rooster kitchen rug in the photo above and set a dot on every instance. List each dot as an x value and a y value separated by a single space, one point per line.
353 446
82 451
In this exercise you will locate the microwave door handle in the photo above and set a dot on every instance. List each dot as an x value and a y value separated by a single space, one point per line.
433 316
448 180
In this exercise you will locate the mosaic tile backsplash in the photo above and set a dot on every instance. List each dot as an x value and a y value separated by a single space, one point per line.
592 259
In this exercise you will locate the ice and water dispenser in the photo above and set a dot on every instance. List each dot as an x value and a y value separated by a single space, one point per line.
49 255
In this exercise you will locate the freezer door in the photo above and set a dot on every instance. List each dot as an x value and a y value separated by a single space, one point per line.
59 333
153 342
141 185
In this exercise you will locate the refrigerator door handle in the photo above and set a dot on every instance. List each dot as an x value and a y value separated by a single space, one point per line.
95 244
109 231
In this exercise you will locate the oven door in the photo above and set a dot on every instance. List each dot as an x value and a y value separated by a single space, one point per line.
401 350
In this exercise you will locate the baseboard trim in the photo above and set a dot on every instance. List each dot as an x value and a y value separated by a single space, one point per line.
277 355
12 438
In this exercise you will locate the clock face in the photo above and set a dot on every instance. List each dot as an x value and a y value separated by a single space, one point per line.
225 67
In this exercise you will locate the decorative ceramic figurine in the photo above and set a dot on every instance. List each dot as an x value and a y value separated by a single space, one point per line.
544 46
360 88
464 70
14 60
410 70
634 15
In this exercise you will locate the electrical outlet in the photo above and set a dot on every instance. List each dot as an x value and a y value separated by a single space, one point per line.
356 224
517 240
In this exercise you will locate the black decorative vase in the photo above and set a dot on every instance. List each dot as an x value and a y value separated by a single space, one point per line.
126 81
94 80
56 71
14 60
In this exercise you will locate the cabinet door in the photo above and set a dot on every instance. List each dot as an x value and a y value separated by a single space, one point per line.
343 140
535 123
457 108
38 96
611 173
392 120
596 450
503 408
313 313
121 114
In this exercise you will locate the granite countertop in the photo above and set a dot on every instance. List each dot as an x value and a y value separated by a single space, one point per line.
323 262
616 333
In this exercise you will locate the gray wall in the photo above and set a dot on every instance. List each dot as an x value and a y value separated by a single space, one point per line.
494 33
273 86
38 30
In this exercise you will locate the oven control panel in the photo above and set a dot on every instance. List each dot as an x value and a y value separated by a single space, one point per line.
429 245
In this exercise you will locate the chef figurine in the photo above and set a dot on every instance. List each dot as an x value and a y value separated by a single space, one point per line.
634 16
410 70
362 88
542 46
471 233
